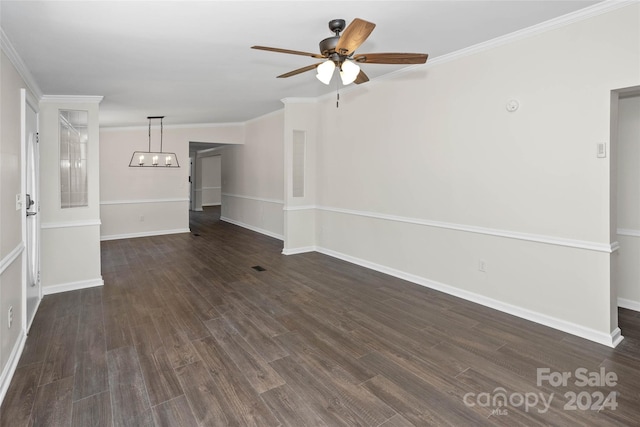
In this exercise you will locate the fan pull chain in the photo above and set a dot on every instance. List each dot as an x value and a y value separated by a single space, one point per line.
337 93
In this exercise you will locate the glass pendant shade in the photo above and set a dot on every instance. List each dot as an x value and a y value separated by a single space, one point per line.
325 71
349 72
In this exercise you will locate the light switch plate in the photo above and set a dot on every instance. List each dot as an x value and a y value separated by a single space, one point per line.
602 150
18 201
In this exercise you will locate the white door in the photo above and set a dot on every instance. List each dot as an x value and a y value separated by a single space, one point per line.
32 205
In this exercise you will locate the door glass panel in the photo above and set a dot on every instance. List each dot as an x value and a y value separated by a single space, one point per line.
74 138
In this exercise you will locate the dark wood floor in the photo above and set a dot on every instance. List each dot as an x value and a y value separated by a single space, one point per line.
186 333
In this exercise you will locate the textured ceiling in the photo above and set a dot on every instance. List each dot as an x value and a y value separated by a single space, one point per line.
191 60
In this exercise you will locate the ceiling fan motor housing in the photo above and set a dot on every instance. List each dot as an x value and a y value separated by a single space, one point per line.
328 45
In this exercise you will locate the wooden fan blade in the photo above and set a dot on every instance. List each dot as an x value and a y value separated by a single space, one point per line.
353 36
362 78
292 52
392 58
299 70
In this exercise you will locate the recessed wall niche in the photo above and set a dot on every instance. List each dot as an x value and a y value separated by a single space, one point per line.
298 163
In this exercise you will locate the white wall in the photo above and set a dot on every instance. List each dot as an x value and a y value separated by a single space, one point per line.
301 124
211 168
629 202
11 240
149 201
70 238
426 174
252 177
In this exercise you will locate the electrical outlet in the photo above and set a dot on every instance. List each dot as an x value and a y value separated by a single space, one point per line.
141 218
18 201
482 266
10 316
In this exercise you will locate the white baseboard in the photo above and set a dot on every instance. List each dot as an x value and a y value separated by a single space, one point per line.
616 337
253 228
302 250
73 286
11 365
35 311
144 234
611 340
629 304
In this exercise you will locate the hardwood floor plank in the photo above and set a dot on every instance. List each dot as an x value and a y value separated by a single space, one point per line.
201 391
178 347
258 294
312 344
60 361
266 323
18 402
116 323
311 325
35 348
403 391
422 412
363 404
200 302
325 401
159 377
387 329
126 385
91 374
239 401
52 406
291 409
397 421
92 411
263 344
174 413
257 371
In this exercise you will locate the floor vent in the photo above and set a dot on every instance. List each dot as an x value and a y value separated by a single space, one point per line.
259 268
195 234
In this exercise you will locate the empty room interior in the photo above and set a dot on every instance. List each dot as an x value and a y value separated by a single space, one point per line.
319 213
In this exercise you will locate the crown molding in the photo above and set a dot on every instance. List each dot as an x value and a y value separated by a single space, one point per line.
72 99
202 125
18 63
169 127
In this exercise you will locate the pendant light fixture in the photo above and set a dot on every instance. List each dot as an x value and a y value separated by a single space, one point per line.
159 159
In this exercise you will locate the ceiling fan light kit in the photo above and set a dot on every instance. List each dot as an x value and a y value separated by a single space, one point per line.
325 71
338 51
349 72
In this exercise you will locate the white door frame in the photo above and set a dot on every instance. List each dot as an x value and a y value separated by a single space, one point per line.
28 102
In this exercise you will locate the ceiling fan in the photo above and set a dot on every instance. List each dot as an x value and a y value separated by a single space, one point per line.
338 52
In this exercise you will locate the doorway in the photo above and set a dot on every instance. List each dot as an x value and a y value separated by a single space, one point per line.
627 139
31 201
205 175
